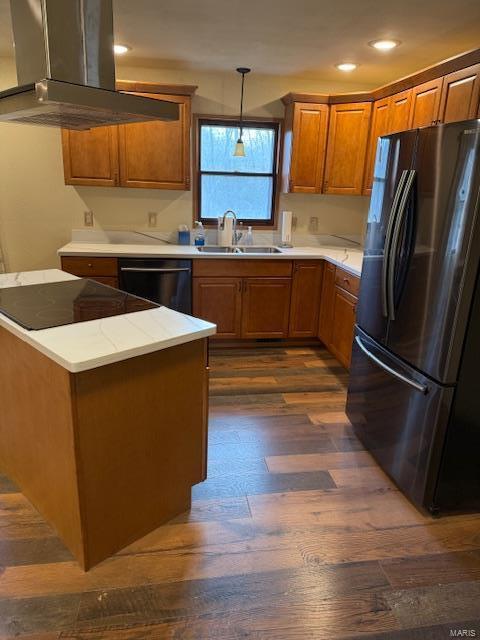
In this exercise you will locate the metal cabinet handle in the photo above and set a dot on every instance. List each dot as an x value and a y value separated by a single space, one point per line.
152 270
412 383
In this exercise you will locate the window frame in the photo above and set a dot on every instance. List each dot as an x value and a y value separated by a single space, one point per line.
266 123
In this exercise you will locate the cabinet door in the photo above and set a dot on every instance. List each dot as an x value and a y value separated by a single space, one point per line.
380 123
309 140
156 155
265 309
460 94
305 302
326 304
399 111
344 306
425 103
90 158
219 300
346 149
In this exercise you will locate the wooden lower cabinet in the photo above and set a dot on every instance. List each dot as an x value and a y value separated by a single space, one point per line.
337 312
219 300
103 270
266 306
343 323
305 300
326 304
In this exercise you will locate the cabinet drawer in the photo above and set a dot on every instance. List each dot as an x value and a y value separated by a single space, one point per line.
87 266
347 281
240 268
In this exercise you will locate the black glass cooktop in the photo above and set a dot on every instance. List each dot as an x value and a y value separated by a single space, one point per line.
41 306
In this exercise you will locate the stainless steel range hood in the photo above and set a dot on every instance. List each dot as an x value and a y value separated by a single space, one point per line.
66 69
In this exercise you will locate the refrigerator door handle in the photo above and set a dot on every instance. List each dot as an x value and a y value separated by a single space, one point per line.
394 244
388 236
412 383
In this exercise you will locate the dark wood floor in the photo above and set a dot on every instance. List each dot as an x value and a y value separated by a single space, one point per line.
296 534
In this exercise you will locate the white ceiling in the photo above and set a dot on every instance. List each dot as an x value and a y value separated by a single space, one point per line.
303 38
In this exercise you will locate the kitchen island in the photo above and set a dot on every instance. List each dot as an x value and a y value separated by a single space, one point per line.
104 423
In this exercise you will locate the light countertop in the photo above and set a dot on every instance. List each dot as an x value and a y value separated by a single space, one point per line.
346 257
87 345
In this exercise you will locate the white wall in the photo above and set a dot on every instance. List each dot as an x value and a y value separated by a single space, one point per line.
37 211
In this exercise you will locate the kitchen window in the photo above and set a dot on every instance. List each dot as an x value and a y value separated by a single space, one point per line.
247 185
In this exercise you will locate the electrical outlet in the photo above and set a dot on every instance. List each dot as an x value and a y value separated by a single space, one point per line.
152 219
88 218
294 223
313 225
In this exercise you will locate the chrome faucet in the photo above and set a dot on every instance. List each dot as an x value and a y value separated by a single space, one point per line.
235 236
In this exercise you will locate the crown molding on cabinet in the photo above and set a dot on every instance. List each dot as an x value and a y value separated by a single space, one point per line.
438 70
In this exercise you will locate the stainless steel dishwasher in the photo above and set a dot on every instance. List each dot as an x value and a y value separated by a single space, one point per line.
166 281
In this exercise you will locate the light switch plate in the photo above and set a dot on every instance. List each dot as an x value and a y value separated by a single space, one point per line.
88 218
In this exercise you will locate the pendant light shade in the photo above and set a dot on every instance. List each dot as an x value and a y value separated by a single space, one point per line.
239 151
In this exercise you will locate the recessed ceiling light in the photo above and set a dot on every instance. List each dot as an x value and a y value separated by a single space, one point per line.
120 49
384 45
346 66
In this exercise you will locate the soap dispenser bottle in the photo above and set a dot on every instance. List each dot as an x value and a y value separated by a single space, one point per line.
199 237
249 237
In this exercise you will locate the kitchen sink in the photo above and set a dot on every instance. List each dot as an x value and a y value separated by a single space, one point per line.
238 250
260 250
213 249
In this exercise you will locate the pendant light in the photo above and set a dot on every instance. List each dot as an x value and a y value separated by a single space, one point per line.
240 147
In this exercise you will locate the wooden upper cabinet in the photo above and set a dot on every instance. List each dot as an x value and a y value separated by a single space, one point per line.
425 103
379 127
399 111
219 300
460 95
266 305
346 148
156 155
305 301
305 143
90 158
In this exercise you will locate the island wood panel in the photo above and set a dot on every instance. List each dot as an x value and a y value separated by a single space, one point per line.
140 445
307 149
305 300
425 104
219 300
346 149
379 127
156 155
460 95
266 305
399 111
91 157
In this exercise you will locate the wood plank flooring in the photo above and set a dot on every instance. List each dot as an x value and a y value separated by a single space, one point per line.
296 534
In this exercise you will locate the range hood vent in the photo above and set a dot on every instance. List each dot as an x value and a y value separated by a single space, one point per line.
66 69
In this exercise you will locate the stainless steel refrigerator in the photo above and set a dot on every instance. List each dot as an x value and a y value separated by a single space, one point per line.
414 390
